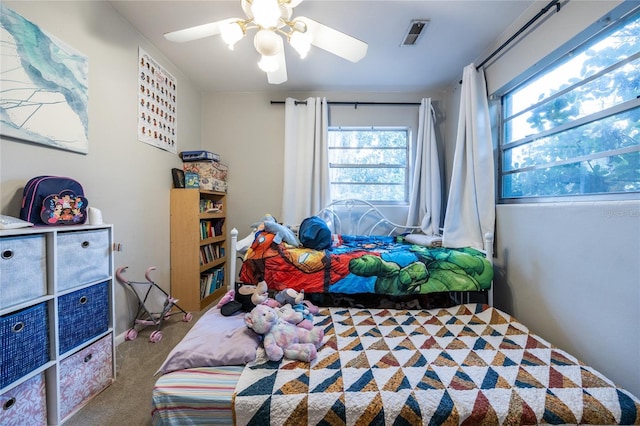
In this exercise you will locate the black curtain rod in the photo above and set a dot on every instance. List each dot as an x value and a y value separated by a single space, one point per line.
355 104
542 12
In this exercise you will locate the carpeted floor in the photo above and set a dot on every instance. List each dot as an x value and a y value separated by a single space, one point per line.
127 402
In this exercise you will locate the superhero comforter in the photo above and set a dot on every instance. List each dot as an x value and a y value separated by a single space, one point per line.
365 264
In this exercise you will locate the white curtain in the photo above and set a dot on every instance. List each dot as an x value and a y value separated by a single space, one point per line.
306 163
470 210
426 190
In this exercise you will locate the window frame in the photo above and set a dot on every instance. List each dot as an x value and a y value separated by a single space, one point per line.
408 168
499 98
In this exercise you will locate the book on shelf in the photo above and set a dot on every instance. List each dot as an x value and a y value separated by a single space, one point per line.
210 228
217 227
203 285
219 278
211 252
191 180
210 206
211 281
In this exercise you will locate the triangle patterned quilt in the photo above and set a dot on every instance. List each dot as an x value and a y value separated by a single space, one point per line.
470 364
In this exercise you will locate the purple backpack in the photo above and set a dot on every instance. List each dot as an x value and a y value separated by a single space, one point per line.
53 200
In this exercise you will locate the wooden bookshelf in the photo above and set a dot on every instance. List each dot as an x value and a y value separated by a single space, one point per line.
198 246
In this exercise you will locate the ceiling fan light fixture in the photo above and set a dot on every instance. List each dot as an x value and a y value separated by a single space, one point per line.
231 33
269 63
301 42
266 13
267 42
274 23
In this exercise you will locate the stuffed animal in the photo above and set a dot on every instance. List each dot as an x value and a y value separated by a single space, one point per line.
291 297
282 233
272 302
228 297
282 339
246 297
287 313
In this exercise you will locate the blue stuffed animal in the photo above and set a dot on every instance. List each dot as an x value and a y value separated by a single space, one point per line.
282 233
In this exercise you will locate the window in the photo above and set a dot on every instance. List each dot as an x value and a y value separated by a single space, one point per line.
369 163
574 128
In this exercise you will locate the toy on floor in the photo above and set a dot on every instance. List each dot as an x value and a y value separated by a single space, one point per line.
282 339
154 305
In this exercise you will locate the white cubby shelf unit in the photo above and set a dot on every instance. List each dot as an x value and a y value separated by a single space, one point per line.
57 318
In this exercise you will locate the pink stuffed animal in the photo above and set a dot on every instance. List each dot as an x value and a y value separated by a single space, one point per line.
282 339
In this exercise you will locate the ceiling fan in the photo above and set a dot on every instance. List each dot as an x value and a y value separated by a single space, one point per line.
273 20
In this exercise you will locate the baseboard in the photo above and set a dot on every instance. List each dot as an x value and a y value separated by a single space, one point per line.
120 338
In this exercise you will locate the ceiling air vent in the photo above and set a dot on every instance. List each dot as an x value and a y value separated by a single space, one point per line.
416 28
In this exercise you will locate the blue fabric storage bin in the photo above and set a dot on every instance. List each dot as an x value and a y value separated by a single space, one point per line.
83 314
24 342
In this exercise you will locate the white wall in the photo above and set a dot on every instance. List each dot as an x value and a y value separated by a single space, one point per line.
569 271
128 180
248 132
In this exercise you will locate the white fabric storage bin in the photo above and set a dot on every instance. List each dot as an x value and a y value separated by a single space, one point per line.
26 404
84 374
82 257
23 269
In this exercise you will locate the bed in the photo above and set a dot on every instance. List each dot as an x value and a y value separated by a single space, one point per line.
369 254
466 364
459 363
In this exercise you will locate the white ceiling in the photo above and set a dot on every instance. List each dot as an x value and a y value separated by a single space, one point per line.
460 32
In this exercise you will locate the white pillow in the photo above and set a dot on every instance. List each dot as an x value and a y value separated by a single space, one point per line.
10 222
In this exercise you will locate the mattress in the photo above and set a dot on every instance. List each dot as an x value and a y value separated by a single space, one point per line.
467 364
200 395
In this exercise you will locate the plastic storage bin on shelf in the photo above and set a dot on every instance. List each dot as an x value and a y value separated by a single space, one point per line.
83 258
84 314
24 342
26 404
23 269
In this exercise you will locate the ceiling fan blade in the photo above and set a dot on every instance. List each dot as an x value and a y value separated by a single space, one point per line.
334 41
279 76
198 32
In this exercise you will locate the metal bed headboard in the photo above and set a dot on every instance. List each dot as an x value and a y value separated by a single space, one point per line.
359 217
